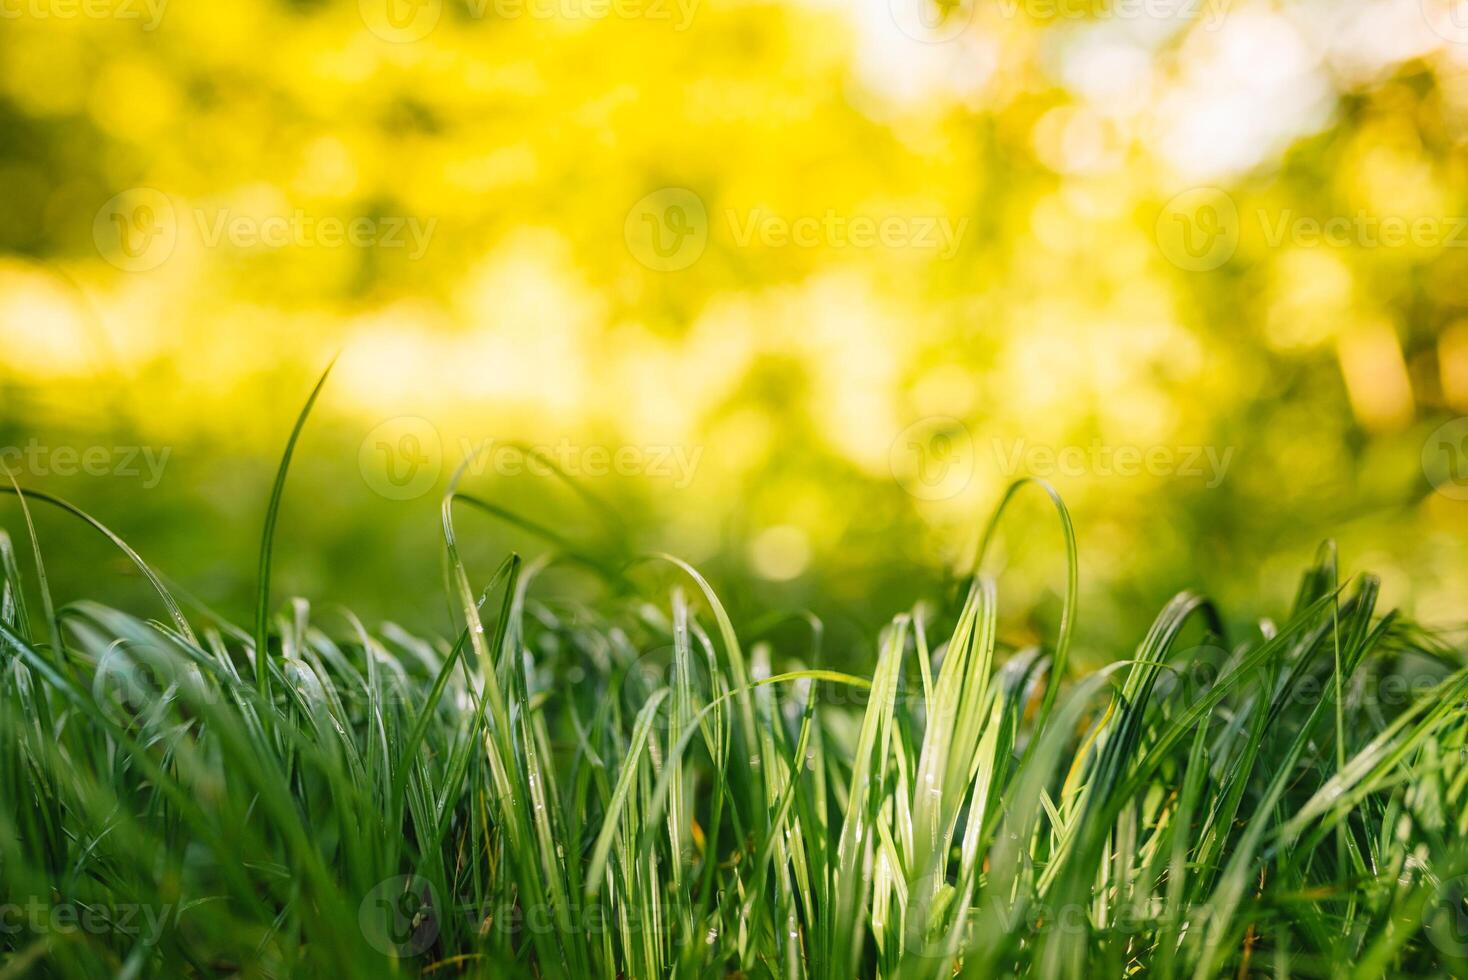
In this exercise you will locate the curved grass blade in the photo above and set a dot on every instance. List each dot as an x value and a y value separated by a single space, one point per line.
267 539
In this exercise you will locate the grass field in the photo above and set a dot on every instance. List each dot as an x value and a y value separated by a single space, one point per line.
637 786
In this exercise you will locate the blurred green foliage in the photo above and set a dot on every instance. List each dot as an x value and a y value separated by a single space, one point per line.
1203 265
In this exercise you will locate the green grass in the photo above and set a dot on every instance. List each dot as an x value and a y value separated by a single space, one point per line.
636 786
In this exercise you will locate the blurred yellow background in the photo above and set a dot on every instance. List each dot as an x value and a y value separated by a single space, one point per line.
796 287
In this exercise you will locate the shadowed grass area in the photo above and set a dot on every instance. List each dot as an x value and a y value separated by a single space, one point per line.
636 786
